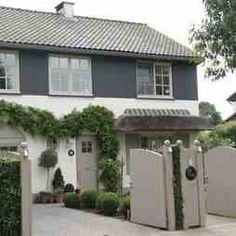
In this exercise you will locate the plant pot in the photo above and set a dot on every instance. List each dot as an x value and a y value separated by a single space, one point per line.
59 197
44 199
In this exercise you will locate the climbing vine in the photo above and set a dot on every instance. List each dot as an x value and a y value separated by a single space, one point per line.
95 119
179 217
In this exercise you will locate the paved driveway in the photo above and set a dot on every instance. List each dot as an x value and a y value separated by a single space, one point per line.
55 220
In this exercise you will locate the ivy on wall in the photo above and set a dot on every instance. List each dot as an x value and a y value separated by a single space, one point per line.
178 197
95 119
10 195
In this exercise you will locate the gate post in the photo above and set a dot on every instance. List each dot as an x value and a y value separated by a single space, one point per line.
168 178
199 159
26 195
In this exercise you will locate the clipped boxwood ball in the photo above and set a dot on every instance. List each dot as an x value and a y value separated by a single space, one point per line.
71 200
69 188
48 158
109 203
88 198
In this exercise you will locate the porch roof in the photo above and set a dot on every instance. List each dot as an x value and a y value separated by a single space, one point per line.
161 120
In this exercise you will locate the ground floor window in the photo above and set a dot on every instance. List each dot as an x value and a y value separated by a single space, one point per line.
4 149
151 142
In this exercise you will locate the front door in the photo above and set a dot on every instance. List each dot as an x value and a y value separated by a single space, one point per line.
86 161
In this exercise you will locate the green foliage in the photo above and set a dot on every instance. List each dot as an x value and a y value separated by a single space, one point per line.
215 39
10 195
222 135
209 111
110 174
69 188
88 198
178 196
58 181
71 200
48 158
94 119
125 205
109 203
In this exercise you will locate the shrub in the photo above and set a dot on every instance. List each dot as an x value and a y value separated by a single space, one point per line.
58 181
109 203
125 206
69 188
71 200
110 175
48 158
88 198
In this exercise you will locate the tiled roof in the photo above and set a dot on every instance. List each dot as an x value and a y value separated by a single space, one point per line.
52 29
135 120
156 112
232 98
231 118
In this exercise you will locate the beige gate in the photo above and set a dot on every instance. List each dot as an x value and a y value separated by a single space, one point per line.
151 189
221 185
157 199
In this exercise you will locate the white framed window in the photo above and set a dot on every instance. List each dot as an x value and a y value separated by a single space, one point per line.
154 80
70 75
9 72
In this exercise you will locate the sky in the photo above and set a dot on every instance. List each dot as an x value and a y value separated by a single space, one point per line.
171 17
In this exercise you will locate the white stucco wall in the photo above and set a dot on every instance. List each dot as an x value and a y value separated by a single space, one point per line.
39 174
64 105
234 106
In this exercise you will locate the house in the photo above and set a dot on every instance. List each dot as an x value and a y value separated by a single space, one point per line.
232 101
59 61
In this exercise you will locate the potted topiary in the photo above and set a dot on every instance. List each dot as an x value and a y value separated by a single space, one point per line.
58 185
69 188
48 159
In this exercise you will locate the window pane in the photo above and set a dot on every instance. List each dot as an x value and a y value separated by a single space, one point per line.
1 58
11 83
158 79
145 79
158 70
2 71
10 59
166 90
64 79
55 80
54 62
2 83
166 80
63 61
84 64
75 63
166 70
158 90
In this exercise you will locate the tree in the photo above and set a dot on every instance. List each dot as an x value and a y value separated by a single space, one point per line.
58 181
208 110
215 38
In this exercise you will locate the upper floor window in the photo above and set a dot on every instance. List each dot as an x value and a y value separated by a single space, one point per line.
154 80
70 75
9 71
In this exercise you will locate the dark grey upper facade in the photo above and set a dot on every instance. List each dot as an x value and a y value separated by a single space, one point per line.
111 76
114 52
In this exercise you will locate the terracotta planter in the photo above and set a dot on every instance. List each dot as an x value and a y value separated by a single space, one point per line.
44 199
59 197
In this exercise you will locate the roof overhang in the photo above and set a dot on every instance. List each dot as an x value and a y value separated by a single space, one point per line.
232 98
175 121
57 49
231 118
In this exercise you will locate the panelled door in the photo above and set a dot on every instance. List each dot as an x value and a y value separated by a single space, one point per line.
86 161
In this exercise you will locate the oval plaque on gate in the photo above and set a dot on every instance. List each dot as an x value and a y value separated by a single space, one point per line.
191 173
